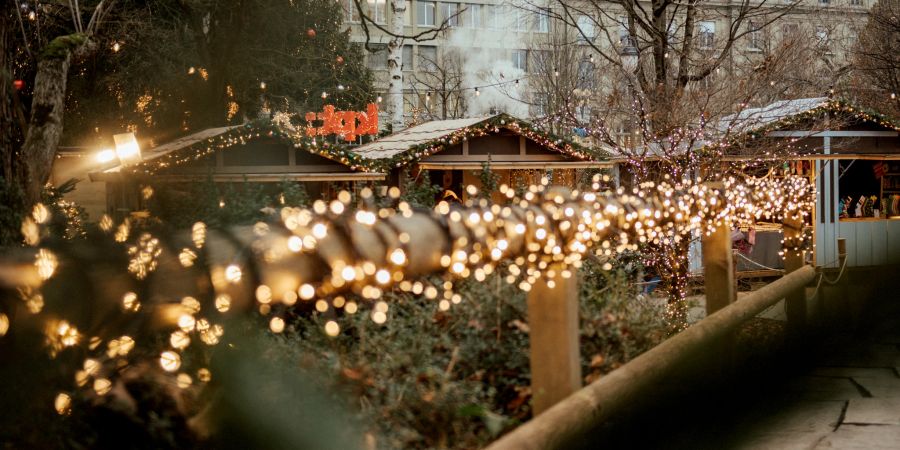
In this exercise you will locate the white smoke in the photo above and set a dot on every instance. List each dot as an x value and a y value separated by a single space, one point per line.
486 57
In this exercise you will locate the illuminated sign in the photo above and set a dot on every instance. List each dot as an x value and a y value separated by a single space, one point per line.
343 123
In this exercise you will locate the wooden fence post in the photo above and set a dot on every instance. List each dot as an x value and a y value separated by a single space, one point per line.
554 331
795 302
718 269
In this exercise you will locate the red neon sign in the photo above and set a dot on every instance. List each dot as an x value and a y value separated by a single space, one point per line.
343 123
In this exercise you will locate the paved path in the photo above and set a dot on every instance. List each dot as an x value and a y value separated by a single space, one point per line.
848 397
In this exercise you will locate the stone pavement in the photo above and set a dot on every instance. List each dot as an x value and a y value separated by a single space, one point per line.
846 397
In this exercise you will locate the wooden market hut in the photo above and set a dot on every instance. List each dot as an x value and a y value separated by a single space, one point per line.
851 155
454 153
253 152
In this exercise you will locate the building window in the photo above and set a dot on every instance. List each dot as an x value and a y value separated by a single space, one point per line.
495 17
378 11
377 60
521 17
425 14
449 13
407 57
350 11
542 22
472 16
427 58
520 59
626 40
539 105
585 75
789 31
541 61
855 2
672 32
822 37
706 34
755 33
824 2
585 28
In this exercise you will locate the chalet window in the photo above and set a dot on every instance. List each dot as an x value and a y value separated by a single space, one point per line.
378 11
706 34
866 186
425 14
449 12
520 59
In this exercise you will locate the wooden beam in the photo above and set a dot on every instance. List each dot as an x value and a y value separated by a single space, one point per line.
795 302
718 269
555 354
569 423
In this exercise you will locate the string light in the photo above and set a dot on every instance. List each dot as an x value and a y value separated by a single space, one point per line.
544 233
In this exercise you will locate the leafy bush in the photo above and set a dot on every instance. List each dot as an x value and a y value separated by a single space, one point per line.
457 379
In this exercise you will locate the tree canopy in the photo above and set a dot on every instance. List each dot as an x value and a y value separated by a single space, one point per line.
878 58
166 67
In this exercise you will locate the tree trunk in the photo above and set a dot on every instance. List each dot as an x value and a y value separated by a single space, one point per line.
46 123
8 141
395 65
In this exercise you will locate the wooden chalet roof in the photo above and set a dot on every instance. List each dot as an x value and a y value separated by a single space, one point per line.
428 138
394 144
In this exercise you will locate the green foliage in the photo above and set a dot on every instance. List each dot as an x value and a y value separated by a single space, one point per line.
61 46
456 379
188 65
293 194
490 180
616 324
67 219
418 191
221 204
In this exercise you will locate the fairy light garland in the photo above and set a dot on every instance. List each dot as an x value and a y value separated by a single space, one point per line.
345 155
317 145
493 125
543 234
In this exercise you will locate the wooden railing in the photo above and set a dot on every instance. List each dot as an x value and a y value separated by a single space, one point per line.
568 421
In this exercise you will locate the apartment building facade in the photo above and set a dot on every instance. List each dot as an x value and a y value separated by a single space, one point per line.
488 58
